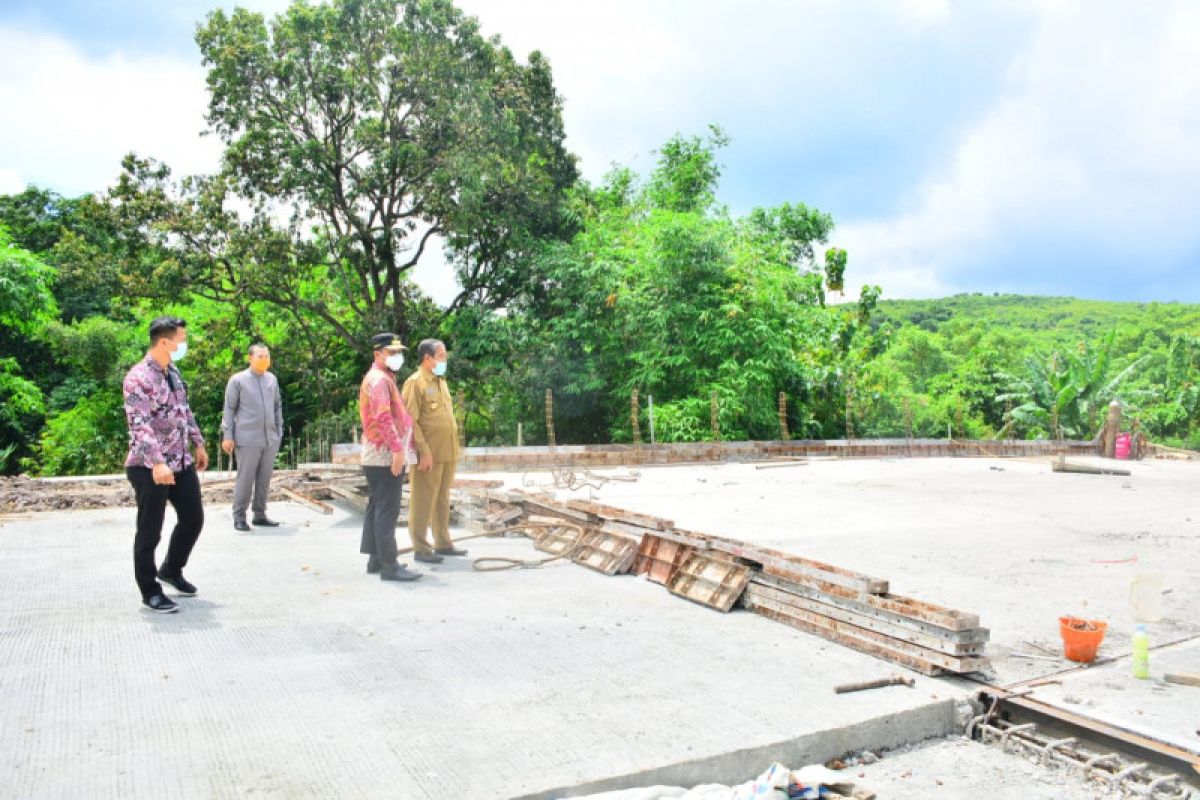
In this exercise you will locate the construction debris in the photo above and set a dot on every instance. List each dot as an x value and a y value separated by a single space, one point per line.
1184 678
895 680
305 499
1060 464
1007 722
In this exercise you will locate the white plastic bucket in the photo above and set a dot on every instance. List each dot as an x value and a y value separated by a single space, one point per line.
1145 595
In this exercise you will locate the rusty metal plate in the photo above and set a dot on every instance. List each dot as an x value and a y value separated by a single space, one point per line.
708 581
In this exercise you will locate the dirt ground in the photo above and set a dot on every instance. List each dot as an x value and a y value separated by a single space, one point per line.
22 494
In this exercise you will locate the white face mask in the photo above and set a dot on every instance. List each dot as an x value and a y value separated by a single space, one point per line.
179 352
395 362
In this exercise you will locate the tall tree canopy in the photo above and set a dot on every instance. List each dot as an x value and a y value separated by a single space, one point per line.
386 124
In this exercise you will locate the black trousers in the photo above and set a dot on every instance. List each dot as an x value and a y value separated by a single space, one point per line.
152 499
383 509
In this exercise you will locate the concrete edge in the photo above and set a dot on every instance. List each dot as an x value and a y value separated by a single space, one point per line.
889 731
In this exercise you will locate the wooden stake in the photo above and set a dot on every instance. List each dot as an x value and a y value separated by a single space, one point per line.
550 418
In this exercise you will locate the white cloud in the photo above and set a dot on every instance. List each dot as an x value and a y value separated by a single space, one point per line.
70 117
1090 142
1092 152
10 181
77 116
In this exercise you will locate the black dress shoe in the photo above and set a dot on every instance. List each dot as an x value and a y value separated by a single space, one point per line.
399 573
450 551
265 523
179 583
240 525
427 558
160 603
373 565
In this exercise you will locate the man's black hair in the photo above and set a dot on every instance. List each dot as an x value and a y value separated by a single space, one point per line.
428 347
165 326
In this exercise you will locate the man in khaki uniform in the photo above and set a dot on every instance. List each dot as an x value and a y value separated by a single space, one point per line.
435 432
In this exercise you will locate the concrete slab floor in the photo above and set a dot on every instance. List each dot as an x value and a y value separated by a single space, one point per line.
1007 539
295 674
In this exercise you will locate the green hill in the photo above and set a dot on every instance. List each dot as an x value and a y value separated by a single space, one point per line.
982 365
1068 318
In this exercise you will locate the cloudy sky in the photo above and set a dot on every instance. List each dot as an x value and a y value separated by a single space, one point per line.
1035 147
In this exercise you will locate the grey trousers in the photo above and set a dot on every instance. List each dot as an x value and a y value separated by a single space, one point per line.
255 466
383 510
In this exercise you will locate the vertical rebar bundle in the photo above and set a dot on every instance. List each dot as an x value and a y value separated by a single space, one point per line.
784 434
849 410
907 412
634 423
715 414
460 409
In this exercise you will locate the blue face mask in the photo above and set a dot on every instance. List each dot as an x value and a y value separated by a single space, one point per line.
439 368
179 352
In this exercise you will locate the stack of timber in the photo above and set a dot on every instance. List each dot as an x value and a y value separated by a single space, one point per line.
846 607
924 637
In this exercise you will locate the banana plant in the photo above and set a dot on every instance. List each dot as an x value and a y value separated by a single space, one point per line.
1066 394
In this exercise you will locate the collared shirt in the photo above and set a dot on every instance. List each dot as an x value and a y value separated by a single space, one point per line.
387 427
161 425
253 410
427 398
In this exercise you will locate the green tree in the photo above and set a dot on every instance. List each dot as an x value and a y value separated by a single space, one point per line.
27 306
380 125
663 291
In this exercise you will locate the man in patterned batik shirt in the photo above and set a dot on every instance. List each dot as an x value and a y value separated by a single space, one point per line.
165 452
386 450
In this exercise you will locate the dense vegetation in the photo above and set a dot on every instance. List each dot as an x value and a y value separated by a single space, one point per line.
347 158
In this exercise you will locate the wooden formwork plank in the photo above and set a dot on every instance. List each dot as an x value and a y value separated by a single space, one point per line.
476 483
552 509
556 540
801 570
716 584
659 558
620 515
916 664
764 593
604 552
624 529
865 640
847 601
306 500
940 616
354 498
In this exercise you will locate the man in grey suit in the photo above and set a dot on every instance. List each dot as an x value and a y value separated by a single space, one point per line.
253 427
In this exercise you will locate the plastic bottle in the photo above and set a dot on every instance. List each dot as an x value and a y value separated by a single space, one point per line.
1141 652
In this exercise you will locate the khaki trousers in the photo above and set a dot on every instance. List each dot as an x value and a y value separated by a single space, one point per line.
430 502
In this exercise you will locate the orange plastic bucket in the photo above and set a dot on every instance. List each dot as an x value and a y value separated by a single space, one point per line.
1081 637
